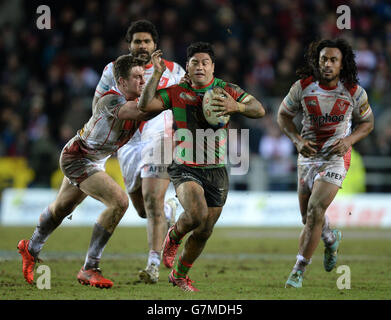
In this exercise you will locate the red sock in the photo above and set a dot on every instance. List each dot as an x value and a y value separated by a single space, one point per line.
176 235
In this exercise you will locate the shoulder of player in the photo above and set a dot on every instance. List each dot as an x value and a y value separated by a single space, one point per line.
173 67
109 67
305 82
300 85
169 64
173 87
232 89
356 91
110 99
224 84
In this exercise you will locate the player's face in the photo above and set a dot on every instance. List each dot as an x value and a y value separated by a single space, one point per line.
142 45
134 85
330 63
200 69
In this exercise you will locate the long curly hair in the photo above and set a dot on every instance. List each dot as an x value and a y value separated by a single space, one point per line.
348 73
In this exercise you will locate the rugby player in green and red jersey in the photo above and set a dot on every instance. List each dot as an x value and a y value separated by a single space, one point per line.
201 184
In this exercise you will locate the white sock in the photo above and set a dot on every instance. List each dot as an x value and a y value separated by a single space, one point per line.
154 257
328 236
301 263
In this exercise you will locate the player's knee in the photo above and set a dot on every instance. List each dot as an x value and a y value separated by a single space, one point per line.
198 215
153 202
121 204
315 214
203 235
63 208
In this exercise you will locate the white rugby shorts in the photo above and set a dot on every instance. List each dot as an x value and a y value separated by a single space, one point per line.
330 172
143 155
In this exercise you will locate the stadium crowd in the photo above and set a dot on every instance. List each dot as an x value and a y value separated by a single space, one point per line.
48 77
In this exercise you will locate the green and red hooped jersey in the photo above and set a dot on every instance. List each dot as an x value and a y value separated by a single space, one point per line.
197 143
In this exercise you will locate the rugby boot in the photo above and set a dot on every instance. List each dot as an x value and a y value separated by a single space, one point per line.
28 260
93 277
170 249
150 274
295 280
184 283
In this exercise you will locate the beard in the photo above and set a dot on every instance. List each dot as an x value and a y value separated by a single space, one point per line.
143 55
328 78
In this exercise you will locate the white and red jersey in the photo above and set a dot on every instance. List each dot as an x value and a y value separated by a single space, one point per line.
104 133
172 75
327 114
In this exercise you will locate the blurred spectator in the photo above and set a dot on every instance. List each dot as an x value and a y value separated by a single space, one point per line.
263 71
43 159
366 63
277 150
38 120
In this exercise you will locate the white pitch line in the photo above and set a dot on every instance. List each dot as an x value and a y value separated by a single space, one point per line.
8 255
291 234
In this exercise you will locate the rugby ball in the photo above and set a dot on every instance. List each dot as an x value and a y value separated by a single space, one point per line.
207 107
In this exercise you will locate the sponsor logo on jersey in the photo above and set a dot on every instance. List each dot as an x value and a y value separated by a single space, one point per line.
327 118
185 96
312 103
342 105
163 82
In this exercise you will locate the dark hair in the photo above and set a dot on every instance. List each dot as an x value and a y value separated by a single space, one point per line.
124 64
197 47
142 26
348 73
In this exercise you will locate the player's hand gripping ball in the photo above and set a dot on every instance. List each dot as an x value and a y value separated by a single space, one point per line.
207 107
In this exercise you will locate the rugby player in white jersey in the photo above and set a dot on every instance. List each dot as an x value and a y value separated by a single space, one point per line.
146 177
114 120
329 98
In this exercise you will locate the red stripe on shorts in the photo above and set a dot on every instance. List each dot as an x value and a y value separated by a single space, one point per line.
346 159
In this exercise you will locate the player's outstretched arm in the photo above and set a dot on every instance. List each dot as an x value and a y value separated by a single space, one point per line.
130 111
286 124
149 101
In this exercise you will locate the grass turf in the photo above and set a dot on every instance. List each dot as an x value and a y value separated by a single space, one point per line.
237 263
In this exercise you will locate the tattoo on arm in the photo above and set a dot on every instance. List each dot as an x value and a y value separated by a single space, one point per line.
251 108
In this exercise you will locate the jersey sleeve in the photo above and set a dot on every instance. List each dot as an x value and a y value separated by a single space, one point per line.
109 105
292 102
361 107
164 95
106 81
235 91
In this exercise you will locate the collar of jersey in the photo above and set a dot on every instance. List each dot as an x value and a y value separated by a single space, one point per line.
202 88
328 88
115 88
